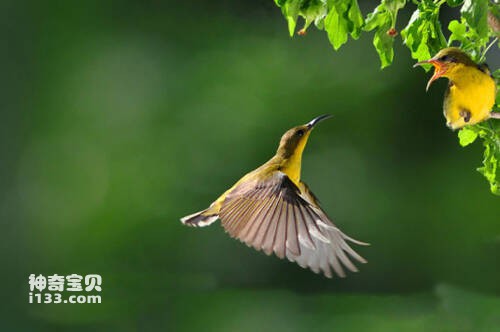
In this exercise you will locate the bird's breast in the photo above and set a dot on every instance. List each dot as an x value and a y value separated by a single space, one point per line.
469 100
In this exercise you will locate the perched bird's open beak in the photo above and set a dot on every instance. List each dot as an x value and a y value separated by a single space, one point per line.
317 120
439 70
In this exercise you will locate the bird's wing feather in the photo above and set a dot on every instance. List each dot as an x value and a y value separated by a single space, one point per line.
274 215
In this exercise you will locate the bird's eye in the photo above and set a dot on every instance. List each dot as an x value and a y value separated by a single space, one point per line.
447 58
300 133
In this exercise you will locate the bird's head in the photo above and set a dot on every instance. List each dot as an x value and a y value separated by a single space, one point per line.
295 139
447 63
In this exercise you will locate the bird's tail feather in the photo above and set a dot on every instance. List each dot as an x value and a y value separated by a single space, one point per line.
200 219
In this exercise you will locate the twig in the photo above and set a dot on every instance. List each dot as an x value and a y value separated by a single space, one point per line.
483 56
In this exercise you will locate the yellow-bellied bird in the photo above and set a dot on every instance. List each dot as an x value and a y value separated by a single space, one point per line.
471 91
272 210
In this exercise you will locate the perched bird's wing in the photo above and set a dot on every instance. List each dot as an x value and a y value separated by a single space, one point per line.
485 69
274 215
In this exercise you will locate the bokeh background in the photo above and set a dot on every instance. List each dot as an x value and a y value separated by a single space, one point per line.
120 117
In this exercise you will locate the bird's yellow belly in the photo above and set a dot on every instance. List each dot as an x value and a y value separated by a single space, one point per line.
470 104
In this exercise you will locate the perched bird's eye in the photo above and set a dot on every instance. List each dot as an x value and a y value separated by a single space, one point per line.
300 133
447 58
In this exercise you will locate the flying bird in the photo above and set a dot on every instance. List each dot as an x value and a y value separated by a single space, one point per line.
471 91
272 210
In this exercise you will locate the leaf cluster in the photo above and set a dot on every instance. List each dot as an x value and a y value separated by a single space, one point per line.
423 34
477 29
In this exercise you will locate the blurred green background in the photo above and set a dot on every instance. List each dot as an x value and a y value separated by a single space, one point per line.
120 117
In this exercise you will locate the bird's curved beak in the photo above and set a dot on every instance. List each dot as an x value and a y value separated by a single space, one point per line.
317 120
439 70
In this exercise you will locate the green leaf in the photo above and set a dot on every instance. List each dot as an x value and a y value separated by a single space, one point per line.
356 19
290 9
394 5
343 19
336 27
458 31
423 34
475 13
467 136
491 163
383 18
383 44
378 17
489 132
385 12
313 11
496 75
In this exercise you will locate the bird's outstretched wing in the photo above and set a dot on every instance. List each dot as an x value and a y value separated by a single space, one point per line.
275 216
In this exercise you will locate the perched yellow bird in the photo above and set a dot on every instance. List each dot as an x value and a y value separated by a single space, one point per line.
272 210
471 91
